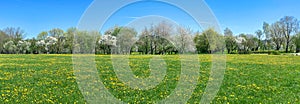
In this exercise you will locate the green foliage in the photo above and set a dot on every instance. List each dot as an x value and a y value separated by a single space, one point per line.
161 38
116 31
43 35
3 39
245 52
290 26
229 40
156 40
297 42
125 40
234 52
274 53
209 41
202 43
14 34
56 32
85 41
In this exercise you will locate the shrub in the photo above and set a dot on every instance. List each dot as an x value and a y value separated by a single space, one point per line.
245 52
261 52
274 53
234 52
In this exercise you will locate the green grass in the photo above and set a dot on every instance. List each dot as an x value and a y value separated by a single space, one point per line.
248 79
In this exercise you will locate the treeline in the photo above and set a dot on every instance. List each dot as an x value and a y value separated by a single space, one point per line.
162 38
280 36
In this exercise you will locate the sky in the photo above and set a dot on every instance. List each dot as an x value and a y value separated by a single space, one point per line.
241 16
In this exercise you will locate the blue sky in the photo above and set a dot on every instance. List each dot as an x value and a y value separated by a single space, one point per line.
247 16
241 16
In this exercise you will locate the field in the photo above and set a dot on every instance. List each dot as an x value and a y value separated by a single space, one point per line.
248 79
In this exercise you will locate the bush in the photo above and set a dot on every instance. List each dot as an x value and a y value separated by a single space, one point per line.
261 52
274 53
234 52
245 52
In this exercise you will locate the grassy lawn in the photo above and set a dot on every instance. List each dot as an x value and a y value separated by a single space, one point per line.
248 79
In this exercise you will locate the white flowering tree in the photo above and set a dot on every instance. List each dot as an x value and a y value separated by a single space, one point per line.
23 46
41 46
107 41
184 40
241 43
10 47
126 39
50 44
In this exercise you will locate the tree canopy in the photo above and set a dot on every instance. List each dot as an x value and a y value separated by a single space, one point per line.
162 38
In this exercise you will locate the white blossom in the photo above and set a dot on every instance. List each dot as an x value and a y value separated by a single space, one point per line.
108 40
23 46
240 41
10 46
41 43
51 40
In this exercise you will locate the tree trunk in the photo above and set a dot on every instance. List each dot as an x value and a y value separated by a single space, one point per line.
297 49
228 50
287 47
277 47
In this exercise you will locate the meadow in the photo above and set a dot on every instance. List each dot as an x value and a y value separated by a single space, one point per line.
247 79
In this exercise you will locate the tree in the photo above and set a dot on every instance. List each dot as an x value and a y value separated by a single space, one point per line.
42 36
208 41
85 42
241 42
116 30
229 40
259 35
15 34
40 46
3 38
289 27
202 43
10 47
109 40
144 41
266 31
33 46
69 36
59 35
277 35
56 32
162 33
251 42
106 42
126 40
183 39
297 42
152 39
247 42
8 37
51 46
23 47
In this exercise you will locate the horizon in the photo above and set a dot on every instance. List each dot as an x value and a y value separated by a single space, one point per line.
34 16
